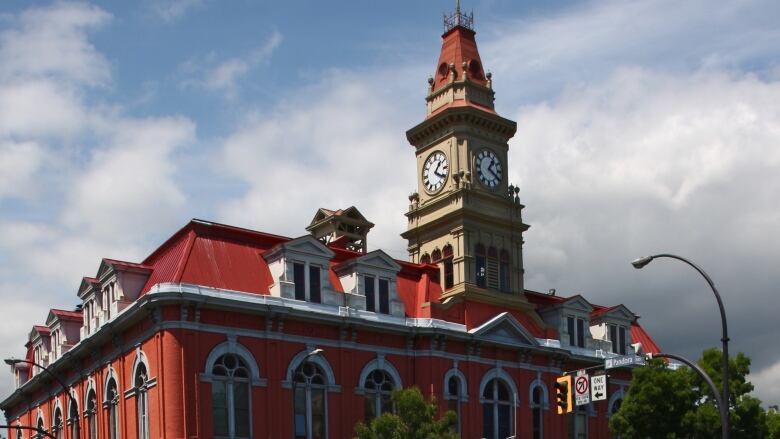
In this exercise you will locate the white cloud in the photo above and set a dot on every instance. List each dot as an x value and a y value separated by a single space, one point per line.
53 42
18 163
173 10
333 145
767 384
224 76
40 108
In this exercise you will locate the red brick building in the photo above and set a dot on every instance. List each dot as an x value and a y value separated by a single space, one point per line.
232 333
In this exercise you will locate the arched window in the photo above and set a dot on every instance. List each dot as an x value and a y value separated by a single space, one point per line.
379 385
503 272
141 382
537 415
56 424
425 259
436 256
112 405
614 405
91 414
480 264
40 426
448 268
230 396
73 420
455 394
310 401
496 410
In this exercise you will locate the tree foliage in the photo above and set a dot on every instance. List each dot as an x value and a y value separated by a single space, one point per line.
414 418
666 403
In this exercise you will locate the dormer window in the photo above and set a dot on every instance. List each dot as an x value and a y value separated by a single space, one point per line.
369 283
300 269
377 292
307 289
617 335
576 329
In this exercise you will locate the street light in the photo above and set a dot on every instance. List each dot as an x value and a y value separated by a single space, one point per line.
73 402
724 406
25 427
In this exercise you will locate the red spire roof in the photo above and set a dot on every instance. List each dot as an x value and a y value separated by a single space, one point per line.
459 48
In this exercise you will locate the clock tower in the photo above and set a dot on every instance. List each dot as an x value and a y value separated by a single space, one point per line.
465 216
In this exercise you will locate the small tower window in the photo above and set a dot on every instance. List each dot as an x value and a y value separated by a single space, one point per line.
503 271
480 265
448 268
492 268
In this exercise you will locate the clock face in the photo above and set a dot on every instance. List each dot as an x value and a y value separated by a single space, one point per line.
488 168
435 171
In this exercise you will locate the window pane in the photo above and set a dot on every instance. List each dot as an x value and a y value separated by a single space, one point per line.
387 404
314 287
369 407
318 413
487 421
622 347
448 273
300 411
452 386
384 297
613 337
369 291
570 330
537 420
504 276
241 405
299 278
219 408
580 333
504 421
481 272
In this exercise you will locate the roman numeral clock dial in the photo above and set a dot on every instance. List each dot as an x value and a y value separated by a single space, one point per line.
435 171
488 168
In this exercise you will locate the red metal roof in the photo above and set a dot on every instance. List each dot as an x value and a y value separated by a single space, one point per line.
639 335
459 46
67 315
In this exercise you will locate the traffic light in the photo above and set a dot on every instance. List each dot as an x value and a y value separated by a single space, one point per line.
563 394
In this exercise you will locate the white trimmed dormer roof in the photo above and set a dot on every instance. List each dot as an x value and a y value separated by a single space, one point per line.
504 328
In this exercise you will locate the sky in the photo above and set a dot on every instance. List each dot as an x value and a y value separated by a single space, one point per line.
644 127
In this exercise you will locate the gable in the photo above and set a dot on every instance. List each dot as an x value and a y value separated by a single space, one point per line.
620 312
505 329
379 259
577 303
306 245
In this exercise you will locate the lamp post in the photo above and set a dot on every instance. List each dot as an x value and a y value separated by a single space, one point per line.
25 427
73 402
724 406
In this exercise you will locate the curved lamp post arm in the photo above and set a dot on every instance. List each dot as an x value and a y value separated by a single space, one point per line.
725 395
45 369
699 371
25 427
74 403
706 277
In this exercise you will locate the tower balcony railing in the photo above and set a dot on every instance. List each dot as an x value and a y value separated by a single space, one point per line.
458 19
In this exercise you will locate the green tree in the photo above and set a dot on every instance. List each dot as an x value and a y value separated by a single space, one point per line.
773 424
657 403
666 403
413 419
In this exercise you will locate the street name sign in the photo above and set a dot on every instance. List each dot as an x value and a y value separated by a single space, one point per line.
581 389
598 387
627 360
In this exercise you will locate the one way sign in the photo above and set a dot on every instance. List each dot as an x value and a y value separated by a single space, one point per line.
598 387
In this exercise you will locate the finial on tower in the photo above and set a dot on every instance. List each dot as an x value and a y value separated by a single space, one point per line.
458 19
